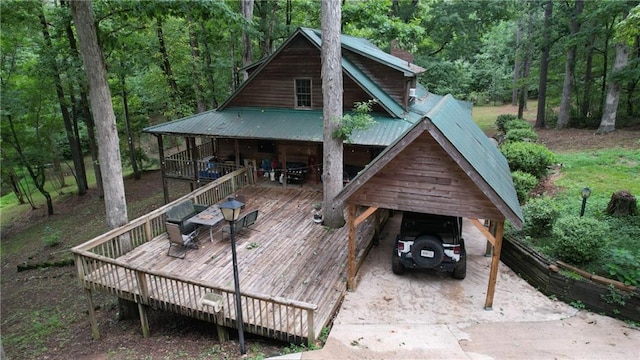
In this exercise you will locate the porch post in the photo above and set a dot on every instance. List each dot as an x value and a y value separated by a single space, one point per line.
351 244
95 334
495 261
144 321
163 169
193 154
236 150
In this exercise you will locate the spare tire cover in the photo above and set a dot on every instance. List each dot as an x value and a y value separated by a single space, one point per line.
427 251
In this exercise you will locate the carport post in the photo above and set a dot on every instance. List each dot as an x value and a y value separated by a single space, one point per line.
495 261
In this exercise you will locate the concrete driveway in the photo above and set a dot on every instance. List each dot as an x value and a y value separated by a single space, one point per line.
426 315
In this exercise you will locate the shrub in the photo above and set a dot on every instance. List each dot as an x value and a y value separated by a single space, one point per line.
502 120
524 183
624 266
51 237
539 215
528 157
517 124
578 240
521 135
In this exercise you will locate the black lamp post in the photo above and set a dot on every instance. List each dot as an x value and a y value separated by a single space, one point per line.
586 192
231 212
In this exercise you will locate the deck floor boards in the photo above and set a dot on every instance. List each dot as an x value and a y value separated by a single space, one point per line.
284 254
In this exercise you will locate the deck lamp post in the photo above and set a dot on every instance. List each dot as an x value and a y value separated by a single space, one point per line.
231 212
586 192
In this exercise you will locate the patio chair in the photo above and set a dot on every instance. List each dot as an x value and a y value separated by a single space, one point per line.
244 222
182 241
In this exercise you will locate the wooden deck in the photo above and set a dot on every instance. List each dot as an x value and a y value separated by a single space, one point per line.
292 271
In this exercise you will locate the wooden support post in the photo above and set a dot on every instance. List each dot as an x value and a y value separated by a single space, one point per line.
376 228
144 321
351 244
163 169
311 334
221 331
492 229
284 166
95 334
195 156
236 150
495 261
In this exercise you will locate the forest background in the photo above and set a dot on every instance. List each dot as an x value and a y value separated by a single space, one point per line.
168 60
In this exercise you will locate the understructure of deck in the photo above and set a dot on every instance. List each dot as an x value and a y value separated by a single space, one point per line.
292 271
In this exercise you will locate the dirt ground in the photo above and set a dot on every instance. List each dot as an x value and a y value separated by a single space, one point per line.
44 312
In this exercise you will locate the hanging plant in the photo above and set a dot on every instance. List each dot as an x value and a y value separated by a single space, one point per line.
360 119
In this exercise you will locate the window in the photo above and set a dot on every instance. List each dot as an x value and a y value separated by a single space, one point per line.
303 93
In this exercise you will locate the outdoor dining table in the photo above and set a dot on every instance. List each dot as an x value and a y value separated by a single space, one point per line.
210 217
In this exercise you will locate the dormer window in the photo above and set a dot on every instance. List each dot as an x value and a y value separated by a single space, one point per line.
303 94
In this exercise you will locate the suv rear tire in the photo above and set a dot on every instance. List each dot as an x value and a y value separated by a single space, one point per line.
460 271
396 266
428 243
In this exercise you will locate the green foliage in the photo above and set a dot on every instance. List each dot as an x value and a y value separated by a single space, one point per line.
521 135
51 237
360 119
528 157
524 184
624 266
502 120
517 124
578 305
578 240
586 169
539 215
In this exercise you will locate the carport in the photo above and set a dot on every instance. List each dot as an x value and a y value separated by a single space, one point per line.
444 164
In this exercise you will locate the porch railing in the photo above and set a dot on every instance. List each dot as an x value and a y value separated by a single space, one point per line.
100 268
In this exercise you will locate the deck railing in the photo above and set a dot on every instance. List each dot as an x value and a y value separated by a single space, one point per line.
101 268
182 164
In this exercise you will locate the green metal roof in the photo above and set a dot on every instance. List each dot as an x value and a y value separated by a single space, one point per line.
276 124
456 124
452 119
367 49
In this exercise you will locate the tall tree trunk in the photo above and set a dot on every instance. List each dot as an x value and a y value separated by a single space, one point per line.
544 65
569 69
166 64
268 11
127 122
100 94
201 104
74 142
608 122
247 50
585 109
524 89
37 174
332 111
605 65
516 65
632 82
84 107
213 103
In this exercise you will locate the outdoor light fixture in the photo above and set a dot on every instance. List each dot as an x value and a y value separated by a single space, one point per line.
231 212
586 192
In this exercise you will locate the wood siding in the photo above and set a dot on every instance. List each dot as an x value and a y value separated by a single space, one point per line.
423 178
274 85
391 81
